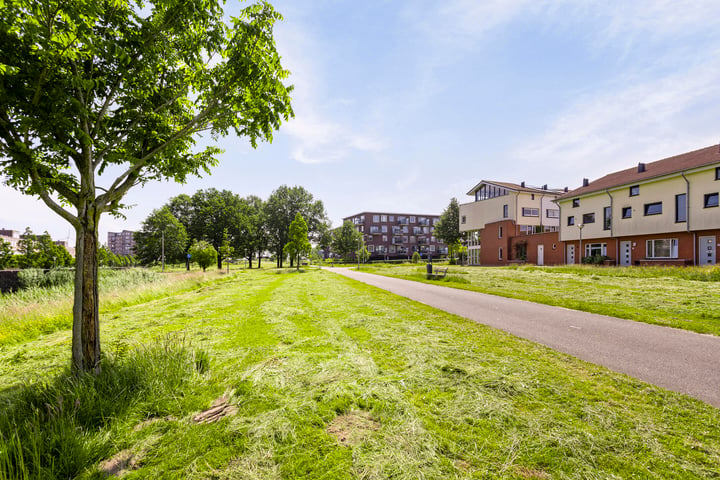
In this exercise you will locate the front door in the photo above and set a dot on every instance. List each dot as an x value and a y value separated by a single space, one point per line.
541 255
625 254
570 254
707 250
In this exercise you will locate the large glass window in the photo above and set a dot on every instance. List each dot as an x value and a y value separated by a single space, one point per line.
589 217
711 200
662 248
607 218
552 213
681 208
595 249
530 212
490 191
653 208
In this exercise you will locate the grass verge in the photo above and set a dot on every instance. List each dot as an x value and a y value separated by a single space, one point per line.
330 378
686 298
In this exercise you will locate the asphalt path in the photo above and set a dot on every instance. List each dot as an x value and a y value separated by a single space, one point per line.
670 358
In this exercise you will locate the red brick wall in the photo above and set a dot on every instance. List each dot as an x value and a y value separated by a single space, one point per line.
552 248
492 242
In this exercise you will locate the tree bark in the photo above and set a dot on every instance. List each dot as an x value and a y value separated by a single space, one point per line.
86 323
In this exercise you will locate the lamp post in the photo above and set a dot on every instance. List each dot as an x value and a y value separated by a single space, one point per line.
580 227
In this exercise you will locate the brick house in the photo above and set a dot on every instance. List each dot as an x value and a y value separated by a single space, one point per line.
508 222
663 212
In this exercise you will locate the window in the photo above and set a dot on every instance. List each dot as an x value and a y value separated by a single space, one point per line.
412 219
500 232
532 196
505 211
576 202
376 218
500 253
635 190
595 249
571 221
371 248
530 212
711 200
552 213
392 218
627 212
680 208
607 218
383 228
383 218
384 238
589 217
662 248
717 173
653 208
489 191
462 219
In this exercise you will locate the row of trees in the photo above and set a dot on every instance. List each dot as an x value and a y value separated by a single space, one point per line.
247 225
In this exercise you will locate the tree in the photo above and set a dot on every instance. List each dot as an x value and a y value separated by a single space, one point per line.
39 251
280 209
88 88
298 244
214 211
346 240
7 257
448 227
255 239
324 238
149 239
226 250
203 254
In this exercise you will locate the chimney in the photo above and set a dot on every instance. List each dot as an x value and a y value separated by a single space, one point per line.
586 182
545 187
641 167
522 184
565 189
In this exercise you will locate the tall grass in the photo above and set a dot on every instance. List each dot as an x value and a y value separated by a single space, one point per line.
59 428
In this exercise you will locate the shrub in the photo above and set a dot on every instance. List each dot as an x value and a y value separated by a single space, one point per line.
416 257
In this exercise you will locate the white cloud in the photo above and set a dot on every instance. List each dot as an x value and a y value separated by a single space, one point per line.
648 120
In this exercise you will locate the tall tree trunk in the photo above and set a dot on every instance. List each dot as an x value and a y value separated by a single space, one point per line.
250 257
86 324
259 258
219 260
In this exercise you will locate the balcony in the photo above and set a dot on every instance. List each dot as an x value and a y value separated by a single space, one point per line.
374 230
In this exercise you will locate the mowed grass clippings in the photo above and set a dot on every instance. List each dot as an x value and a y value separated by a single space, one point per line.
685 298
306 357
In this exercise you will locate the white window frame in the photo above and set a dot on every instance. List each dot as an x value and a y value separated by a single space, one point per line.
530 212
589 247
651 247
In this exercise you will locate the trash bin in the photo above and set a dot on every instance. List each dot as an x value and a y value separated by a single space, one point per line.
429 268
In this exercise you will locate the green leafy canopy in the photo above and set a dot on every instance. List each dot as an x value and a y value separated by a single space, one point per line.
90 84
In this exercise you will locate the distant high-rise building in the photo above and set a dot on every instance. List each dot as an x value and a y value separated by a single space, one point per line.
122 243
12 237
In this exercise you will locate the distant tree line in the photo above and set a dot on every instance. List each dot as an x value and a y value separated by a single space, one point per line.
247 226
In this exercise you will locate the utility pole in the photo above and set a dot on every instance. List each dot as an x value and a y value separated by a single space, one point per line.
162 254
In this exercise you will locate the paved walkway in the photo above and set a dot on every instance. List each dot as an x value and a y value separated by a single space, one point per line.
674 359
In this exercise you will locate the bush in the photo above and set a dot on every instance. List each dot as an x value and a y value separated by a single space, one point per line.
595 259
416 257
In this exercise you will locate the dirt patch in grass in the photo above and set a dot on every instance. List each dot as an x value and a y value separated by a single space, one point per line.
531 473
353 428
120 464
220 408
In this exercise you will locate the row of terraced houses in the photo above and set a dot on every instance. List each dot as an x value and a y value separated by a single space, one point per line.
663 212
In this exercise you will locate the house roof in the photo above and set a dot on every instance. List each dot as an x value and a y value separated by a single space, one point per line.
660 168
514 187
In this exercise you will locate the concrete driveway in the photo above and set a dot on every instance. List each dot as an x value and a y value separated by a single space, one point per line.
677 360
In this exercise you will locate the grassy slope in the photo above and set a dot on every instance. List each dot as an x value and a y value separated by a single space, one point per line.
647 295
452 399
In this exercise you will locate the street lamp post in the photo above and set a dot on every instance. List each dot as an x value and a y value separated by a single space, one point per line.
580 253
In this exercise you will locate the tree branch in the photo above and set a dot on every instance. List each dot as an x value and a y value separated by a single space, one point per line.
54 206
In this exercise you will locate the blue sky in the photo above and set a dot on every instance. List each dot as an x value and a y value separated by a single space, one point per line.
401 105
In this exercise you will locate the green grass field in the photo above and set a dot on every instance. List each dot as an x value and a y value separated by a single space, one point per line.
331 379
686 298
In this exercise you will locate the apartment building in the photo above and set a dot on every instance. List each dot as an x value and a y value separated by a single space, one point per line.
12 237
121 243
508 222
663 212
389 236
